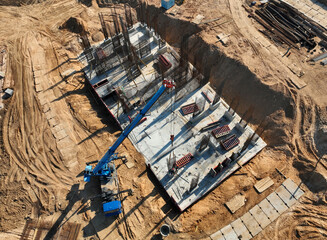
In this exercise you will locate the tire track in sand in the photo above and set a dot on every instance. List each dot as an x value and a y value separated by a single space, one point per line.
27 137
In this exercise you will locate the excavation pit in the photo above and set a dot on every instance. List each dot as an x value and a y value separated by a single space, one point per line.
202 154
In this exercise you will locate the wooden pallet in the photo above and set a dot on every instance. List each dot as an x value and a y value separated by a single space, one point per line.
37 230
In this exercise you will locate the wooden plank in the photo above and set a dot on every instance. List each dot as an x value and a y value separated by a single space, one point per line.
260 216
286 196
235 203
229 233
251 224
263 184
217 236
269 210
293 188
240 229
278 204
130 164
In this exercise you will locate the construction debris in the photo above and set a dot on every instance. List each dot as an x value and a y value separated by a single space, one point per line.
287 25
320 57
8 93
263 184
236 203
223 38
198 19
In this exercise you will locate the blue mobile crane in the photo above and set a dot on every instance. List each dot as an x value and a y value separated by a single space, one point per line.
105 169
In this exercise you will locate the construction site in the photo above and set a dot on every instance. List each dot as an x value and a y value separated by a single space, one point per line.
163 119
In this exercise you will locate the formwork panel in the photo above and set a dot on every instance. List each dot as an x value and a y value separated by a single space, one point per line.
241 231
269 210
278 204
229 233
260 216
251 224
294 189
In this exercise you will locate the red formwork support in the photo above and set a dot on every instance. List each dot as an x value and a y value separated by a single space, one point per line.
184 160
230 142
190 108
221 131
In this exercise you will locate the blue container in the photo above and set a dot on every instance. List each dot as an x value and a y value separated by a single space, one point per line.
112 208
167 3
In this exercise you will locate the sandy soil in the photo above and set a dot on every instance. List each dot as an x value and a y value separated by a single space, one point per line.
53 124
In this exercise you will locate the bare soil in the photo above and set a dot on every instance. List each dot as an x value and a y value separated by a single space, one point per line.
53 124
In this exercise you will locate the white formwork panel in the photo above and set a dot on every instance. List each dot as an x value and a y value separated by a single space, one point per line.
260 216
278 204
285 195
229 233
251 224
269 210
293 188
241 230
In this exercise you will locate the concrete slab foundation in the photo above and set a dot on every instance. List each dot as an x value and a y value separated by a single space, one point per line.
124 88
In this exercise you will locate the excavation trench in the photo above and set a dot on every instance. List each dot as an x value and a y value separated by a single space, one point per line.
231 79
291 124
294 126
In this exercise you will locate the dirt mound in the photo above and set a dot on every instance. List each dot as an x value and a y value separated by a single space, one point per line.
73 25
97 37
171 29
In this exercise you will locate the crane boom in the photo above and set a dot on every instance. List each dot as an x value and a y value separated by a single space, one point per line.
107 172
107 157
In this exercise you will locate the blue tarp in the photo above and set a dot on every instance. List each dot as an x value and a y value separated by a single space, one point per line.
167 3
